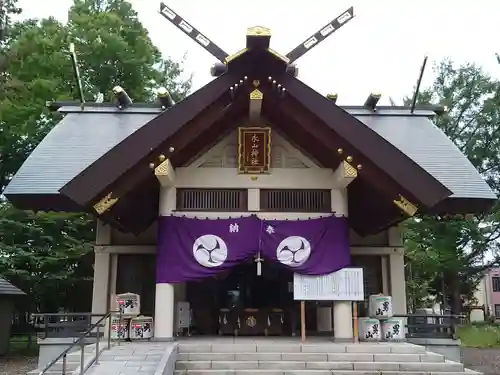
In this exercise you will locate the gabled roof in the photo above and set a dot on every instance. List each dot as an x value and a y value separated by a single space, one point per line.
149 140
390 144
421 140
77 141
7 289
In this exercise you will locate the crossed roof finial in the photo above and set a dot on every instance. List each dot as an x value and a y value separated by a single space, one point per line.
256 31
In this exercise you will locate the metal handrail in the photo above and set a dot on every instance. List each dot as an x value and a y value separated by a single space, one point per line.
441 326
66 321
81 342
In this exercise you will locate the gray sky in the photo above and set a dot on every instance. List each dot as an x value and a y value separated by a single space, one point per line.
381 50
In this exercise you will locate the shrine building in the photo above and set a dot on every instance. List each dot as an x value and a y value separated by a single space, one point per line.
219 199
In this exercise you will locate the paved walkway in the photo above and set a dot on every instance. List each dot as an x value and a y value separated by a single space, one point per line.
140 358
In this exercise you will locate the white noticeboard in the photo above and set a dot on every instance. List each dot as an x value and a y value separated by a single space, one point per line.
343 285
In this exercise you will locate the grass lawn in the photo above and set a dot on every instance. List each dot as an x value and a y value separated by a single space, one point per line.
18 347
480 335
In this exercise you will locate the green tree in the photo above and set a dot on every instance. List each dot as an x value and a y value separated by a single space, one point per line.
31 78
7 8
448 255
42 253
115 49
48 253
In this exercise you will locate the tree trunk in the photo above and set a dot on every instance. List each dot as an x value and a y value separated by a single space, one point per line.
454 290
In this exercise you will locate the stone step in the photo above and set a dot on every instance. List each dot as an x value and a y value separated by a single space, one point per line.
72 362
313 372
297 365
372 348
69 365
308 357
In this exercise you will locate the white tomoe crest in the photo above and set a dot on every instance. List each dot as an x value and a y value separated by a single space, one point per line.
210 250
293 251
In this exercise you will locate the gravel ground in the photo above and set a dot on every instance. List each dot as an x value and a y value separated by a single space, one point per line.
17 365
486 361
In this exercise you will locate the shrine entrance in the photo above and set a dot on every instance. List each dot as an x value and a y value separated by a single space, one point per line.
239 302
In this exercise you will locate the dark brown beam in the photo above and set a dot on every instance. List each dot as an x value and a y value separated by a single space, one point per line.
215 133
299 129
258 64
369 209
331 141
192 32
142 170
409 175
139 208
299 136
320 35
192 140
93 181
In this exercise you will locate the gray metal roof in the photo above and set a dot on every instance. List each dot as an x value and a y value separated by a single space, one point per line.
74 143
82 137
356 110
420 139
7 289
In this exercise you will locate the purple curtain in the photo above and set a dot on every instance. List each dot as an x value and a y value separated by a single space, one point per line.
190 249
310 247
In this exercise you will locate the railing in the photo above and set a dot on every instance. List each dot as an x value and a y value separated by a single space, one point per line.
63 324
432 326
81 341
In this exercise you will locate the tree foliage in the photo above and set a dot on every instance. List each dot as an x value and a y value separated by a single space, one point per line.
49 254
7 9
448 255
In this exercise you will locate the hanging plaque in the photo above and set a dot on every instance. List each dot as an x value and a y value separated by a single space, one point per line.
254 150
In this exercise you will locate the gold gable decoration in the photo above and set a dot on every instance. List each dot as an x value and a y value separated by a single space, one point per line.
256 95
349 170
163 169
254 150
105 203
235 55
258 31
278 55
406 206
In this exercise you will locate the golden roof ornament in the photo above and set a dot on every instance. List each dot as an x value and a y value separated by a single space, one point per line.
258 31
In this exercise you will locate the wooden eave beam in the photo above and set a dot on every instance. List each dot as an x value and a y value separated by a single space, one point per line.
136 210
309 134
364 218
344 175
129 189
219 129
370 211
91 184
365 166
366 142
299 136
339 149
179 140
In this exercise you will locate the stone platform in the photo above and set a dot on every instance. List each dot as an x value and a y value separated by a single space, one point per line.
270 356
138 358
318 356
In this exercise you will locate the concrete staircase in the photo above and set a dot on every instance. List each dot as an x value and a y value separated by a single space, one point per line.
72 361
279 357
